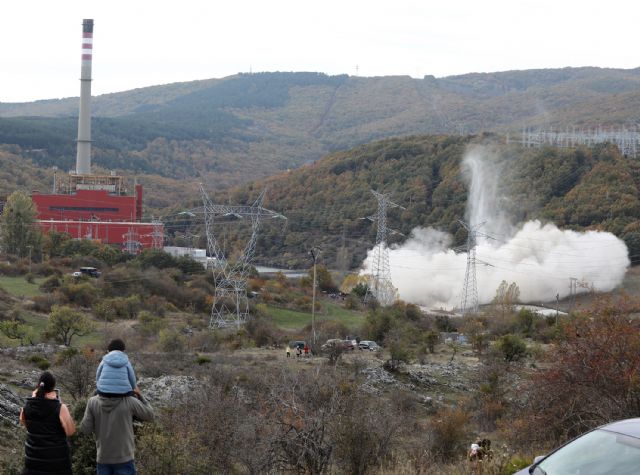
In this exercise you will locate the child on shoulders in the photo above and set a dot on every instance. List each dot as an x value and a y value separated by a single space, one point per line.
115 375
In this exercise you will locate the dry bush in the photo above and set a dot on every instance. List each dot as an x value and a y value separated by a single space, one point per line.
364 433
592 376
263 331
44 303
77 373
447 434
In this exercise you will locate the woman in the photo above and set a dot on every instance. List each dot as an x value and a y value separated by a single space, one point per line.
48 424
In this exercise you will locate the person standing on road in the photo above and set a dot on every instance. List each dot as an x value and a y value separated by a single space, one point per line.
110 419
288 351
48 424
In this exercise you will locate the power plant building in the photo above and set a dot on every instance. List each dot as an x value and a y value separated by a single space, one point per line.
98 207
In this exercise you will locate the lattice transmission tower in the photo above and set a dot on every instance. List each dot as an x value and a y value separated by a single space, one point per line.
380 284
131 241
230 302
469 300
157 235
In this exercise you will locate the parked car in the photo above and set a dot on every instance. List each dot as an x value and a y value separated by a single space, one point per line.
368 345
296 344
337 343
613 449
76 274
90 271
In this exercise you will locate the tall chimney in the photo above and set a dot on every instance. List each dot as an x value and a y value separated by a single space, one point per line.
83 159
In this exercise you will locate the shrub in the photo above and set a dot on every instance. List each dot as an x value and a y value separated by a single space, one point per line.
40 361
512 347
44 303
378 323
444 324
590 378
149 324
156 304
83 447
526 321
399 353
447 434
51 283
82 294
352 302
201 359
66 354
432 339
171 341
364 434
262 330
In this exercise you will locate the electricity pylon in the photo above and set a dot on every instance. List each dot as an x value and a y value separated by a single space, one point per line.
469 301
380 284
230 302
131 241
157 235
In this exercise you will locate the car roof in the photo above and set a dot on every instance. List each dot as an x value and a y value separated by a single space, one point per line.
630 427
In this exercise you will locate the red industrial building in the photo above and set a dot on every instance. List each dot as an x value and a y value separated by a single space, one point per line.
106 215
98 207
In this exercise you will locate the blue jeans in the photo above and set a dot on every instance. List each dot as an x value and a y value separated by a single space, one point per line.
126 468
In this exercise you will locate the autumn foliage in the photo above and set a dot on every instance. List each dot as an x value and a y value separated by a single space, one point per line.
591 377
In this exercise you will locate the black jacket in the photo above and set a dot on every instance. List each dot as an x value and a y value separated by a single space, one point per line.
46 449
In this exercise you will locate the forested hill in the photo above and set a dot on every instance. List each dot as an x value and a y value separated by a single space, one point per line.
584 188
228 131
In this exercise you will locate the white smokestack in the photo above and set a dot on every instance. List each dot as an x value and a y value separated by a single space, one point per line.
541 259
83 158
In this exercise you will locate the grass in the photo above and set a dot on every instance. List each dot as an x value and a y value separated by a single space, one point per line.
39 323
295 320
19 287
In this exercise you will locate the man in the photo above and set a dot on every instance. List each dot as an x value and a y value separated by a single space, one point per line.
111 420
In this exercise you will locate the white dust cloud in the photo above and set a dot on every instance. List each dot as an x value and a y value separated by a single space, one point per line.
541 259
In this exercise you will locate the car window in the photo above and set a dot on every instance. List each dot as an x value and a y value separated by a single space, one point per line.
597 453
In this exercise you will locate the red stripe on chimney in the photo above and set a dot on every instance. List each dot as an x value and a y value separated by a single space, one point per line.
86 56
87 35
87 46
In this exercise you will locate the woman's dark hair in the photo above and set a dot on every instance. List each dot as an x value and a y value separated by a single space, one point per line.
46 383
116 344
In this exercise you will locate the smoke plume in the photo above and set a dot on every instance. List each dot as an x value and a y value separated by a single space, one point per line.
539 257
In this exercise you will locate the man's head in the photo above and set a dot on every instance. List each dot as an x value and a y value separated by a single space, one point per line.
116 344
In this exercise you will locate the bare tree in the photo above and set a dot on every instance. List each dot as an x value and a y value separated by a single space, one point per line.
77 374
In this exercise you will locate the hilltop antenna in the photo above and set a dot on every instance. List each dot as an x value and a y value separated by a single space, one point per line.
469 301
230 302
381 287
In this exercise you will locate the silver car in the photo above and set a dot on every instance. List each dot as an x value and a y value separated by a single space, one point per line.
613 449
368 345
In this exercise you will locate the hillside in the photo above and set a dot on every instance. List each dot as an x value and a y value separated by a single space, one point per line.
243 127
584 188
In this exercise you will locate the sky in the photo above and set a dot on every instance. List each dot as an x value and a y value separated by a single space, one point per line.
139 43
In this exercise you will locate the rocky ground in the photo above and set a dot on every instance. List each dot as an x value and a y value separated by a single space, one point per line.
437 381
